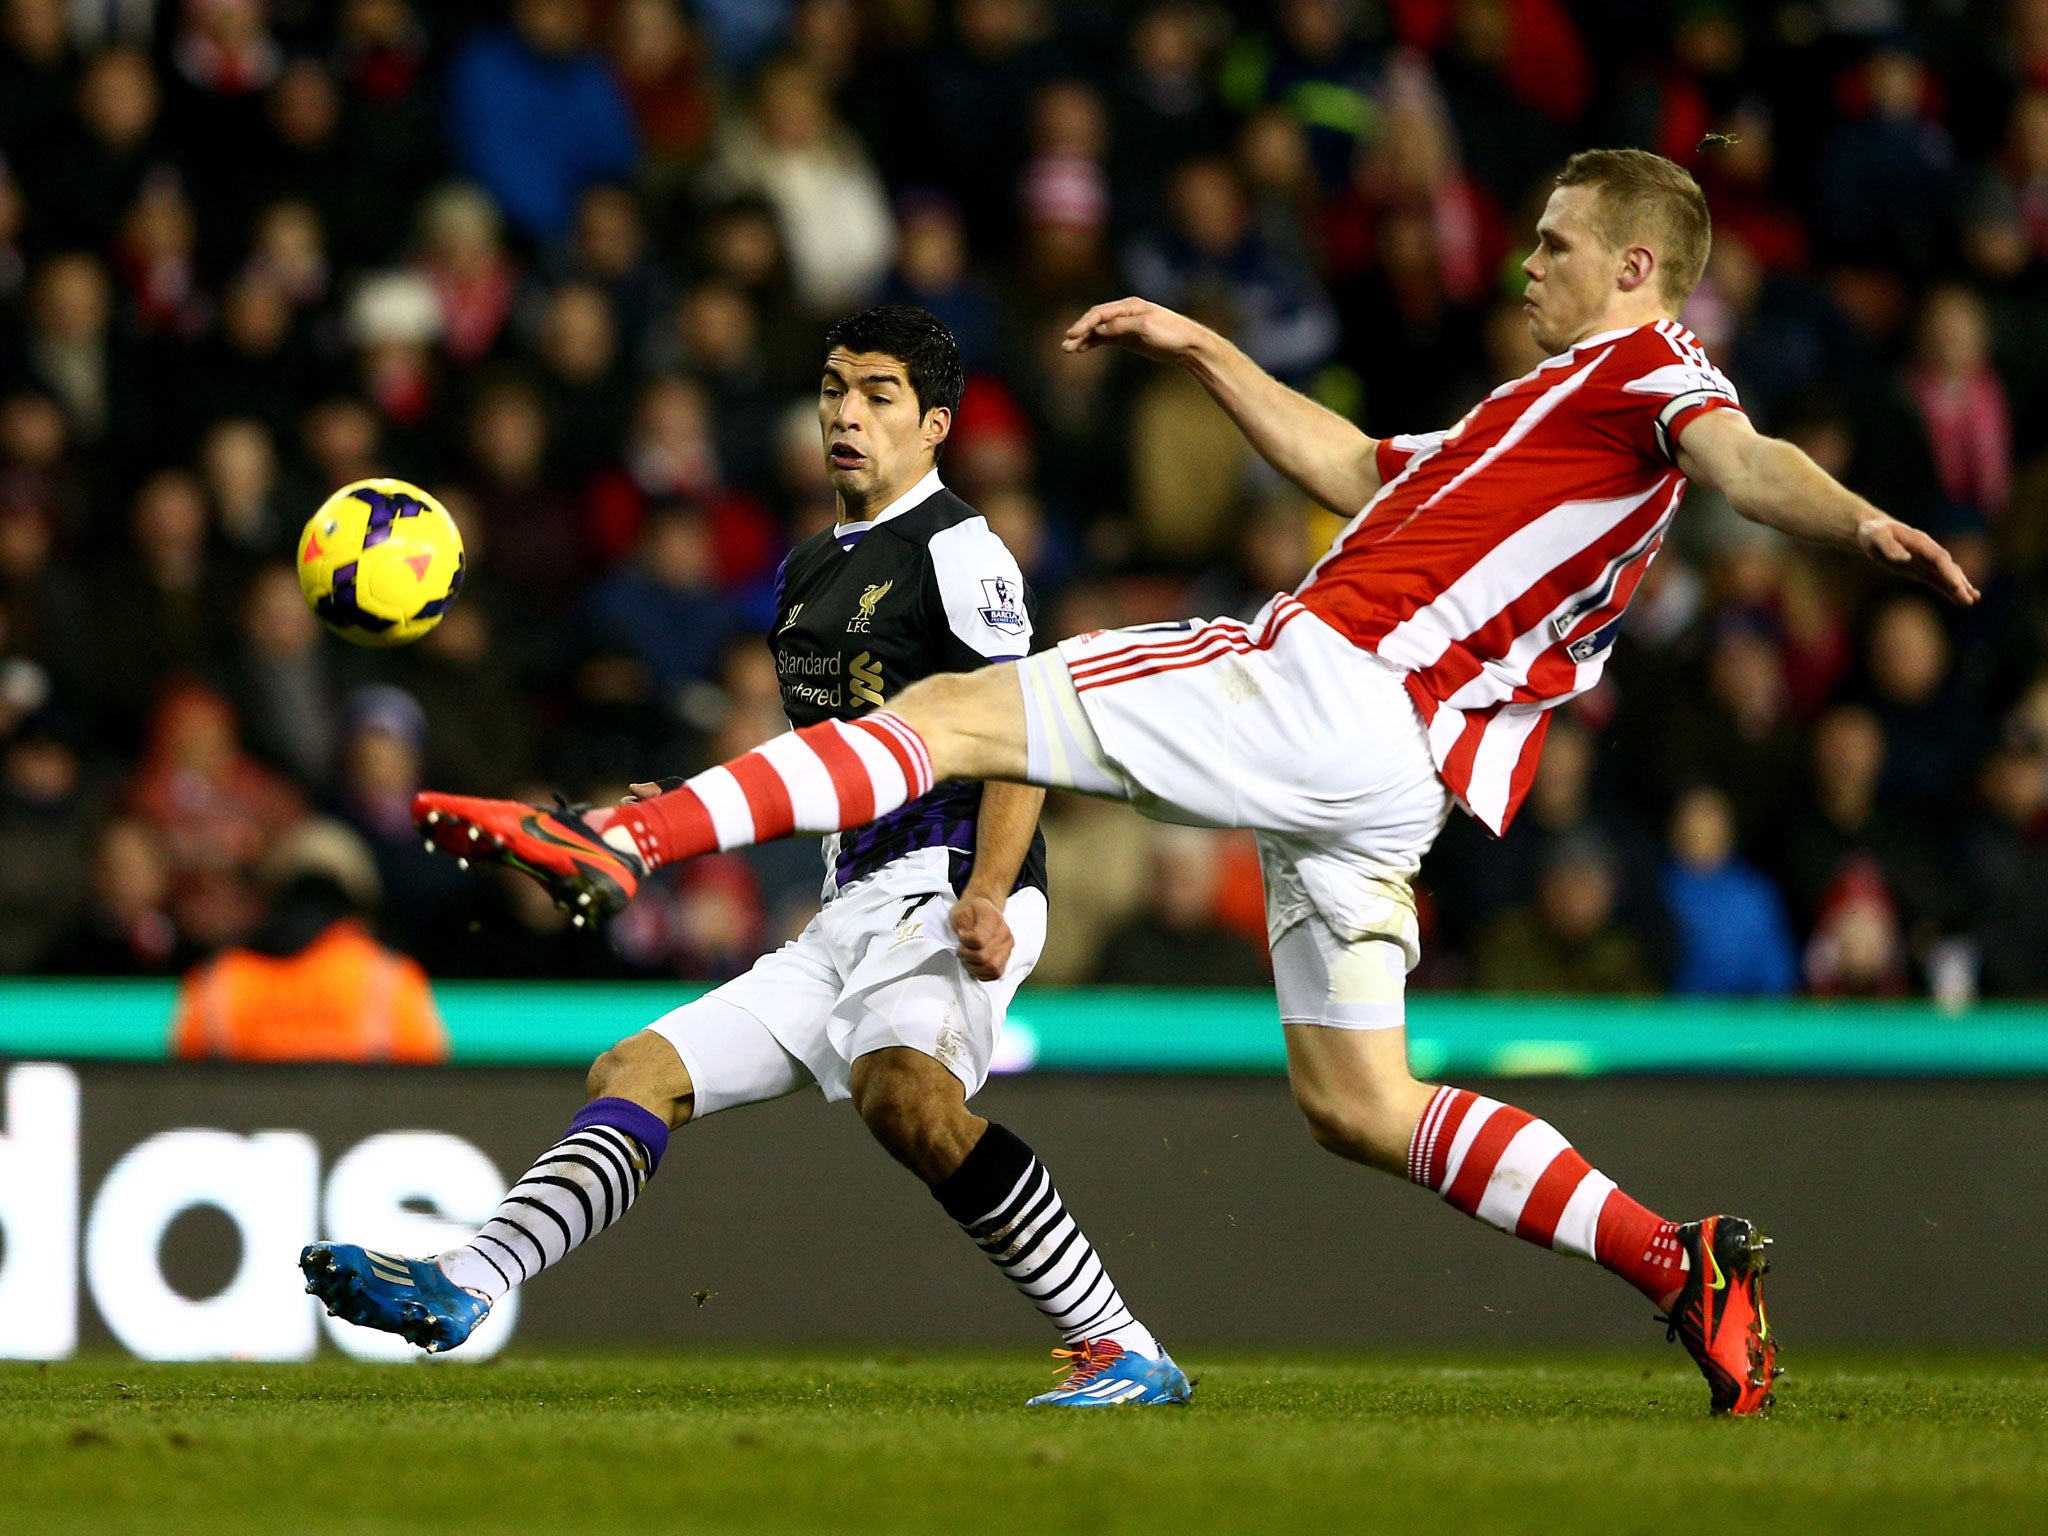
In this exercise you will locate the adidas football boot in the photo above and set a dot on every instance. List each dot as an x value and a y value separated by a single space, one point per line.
1103 1374
587 876
1719 1314
408 1297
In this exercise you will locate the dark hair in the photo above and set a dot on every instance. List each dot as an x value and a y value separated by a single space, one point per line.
916 338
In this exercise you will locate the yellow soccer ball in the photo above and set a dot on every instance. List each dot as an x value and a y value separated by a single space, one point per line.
380 562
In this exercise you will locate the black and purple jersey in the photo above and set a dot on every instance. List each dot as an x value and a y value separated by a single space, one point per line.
863 610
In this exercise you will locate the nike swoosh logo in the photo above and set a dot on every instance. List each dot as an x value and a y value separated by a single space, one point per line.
1720 1281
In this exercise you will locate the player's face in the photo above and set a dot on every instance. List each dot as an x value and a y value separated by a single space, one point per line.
1571 272
877 442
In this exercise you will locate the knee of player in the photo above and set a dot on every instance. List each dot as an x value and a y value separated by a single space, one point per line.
894 1111
640 1067
904 1115
947 710
1348 1127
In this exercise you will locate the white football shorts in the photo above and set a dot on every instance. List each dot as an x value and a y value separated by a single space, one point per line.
1280 725
878 967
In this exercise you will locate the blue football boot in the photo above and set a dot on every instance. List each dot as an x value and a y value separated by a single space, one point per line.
1104 1374
408 1297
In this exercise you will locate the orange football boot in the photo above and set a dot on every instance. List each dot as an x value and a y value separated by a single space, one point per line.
1719 1314
586 875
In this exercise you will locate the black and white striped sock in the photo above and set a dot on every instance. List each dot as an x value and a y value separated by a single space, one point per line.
581 1185
1005 1200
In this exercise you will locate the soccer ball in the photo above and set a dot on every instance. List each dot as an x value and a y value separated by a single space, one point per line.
380 562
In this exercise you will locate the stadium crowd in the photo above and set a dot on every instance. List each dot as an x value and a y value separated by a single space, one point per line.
566 264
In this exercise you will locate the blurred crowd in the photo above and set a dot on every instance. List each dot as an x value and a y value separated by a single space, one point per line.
566 263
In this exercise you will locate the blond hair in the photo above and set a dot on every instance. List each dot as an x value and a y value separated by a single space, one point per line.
1648 200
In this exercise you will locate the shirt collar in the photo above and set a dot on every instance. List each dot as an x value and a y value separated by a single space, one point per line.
916 496
1606 336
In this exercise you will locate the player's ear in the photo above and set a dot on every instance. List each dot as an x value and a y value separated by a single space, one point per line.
1638 266
938 425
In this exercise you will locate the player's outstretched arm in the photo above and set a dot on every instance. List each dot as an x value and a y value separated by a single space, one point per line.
1772 482
1311 445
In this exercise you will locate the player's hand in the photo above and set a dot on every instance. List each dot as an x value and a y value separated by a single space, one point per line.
1913 552
1151 330
985 941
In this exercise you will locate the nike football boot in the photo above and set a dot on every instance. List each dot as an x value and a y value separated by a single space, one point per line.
587 876
1103 1374
1719 1314
408 1297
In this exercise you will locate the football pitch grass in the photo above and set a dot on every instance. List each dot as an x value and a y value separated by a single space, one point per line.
788 1441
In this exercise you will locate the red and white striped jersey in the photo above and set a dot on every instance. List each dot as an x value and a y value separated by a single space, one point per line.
1495 563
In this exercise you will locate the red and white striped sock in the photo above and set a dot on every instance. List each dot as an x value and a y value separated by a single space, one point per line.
823 778
1515 1172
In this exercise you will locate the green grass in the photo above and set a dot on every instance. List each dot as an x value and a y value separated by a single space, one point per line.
789 1442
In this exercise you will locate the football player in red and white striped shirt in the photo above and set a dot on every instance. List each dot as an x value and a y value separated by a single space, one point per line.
1414 669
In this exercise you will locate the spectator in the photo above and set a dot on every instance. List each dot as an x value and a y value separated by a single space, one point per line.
464 259
163 608
1278 312
665 609
532 526
238 462
1962 404
1888 177
380 756
536 117
718 329
1164 108
1069 150
2006 864
834 214
670 454
46 615
1732 933
1847 843
67 350
1319 68
1743 735
94 173
312 984
393 322
126 928
1177 941
481 723
36 69
290 249
932 273
662 70
587 389
283 680
1927 720
610 250
1857 949
1569 939
2008 210
1188 470
977 86
217 809
253 367
46 816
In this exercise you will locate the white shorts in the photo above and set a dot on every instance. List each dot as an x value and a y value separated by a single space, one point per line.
1281 725
878 967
